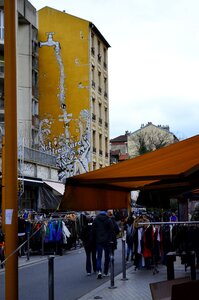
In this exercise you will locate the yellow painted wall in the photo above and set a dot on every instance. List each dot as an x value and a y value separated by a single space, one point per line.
64 72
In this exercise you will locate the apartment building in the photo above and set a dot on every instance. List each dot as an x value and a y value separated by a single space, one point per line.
147 138
73 92
34 166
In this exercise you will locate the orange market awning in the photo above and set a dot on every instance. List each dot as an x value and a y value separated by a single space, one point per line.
173 168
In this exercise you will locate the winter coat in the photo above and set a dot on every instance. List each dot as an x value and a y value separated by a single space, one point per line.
103 229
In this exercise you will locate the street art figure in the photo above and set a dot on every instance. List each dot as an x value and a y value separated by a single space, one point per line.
72 155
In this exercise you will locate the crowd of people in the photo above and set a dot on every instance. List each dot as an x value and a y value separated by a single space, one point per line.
99 236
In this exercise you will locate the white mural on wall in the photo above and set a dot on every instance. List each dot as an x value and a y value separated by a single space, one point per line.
73 156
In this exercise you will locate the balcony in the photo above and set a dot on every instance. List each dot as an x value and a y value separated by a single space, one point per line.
39 157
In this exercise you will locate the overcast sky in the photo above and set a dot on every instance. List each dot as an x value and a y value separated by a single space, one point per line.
153 60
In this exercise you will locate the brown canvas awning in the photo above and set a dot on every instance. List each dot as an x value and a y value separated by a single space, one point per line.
175 168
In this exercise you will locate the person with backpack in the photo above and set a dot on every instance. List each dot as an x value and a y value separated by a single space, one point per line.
128 227
104 235
86 235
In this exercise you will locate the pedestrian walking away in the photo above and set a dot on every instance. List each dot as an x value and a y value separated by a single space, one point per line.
103 232
130 232
86 235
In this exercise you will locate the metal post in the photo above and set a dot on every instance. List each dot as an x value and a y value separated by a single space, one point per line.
10 108
112 286
123 257
51 277
28 246
42 240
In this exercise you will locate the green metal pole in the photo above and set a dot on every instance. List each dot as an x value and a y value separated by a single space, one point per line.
10 106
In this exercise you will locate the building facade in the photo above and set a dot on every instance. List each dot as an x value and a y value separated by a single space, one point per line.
148 138
73 92
34 166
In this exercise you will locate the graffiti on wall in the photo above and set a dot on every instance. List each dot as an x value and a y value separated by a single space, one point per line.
73 154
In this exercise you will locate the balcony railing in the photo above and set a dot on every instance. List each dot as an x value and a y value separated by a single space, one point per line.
40 157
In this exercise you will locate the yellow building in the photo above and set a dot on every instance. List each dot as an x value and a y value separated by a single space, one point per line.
73 92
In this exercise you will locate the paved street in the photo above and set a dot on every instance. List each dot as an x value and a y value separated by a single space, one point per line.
71 282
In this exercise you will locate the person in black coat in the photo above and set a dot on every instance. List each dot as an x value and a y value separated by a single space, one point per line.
103 232
86 235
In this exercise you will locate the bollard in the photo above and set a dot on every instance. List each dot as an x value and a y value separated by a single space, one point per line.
42 240
112 286
124 257
51 277
28 246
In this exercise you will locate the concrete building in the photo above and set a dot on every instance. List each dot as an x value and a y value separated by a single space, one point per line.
73 92
34 166
119 148
149 138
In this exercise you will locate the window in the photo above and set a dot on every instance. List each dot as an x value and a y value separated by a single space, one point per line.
35 108
105 58
93 105
106 114
94 141
106 146
105 87
100 110
1 24
99 82
99 56
100 143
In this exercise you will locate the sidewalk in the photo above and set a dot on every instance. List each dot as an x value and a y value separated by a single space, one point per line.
137 286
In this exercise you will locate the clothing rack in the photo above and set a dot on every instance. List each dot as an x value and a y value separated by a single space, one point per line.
169 223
